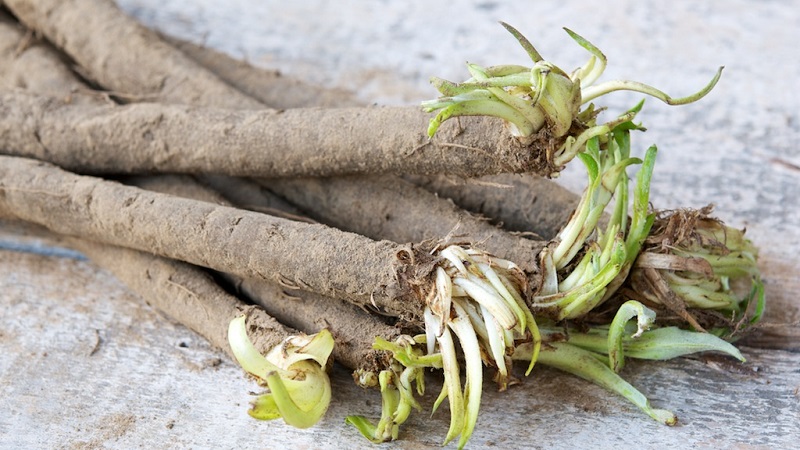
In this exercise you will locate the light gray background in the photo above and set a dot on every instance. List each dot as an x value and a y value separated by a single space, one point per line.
84 364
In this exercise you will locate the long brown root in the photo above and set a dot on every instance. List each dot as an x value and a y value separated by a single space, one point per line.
184 293
164 283
143 138
523 203
269 87
394 209
353 328
92 32
251 245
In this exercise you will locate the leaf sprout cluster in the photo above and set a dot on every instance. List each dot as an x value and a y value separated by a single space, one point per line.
634 264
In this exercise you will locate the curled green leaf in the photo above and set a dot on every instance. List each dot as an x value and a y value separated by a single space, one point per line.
585 364
659 344
599 90
396 386
671 342
294 372
542 96
627 311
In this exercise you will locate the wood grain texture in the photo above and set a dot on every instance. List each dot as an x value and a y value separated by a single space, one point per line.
107 371
150 383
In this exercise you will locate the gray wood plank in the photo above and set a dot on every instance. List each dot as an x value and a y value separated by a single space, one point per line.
85 364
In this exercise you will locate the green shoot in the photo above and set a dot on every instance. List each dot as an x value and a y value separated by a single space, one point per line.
630 309
598 354
659 344
692 261
294 373
542 97
607 258
585 364
396 386
475 305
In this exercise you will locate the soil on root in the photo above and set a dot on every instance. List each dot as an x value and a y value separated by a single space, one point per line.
92 32
29 63
268 86
522 203
185 294
148 138
314 257
353 329
394 209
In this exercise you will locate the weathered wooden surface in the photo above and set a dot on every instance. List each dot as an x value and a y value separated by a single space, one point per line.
84 364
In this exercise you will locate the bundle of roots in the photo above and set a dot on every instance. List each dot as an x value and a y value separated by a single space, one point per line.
333 221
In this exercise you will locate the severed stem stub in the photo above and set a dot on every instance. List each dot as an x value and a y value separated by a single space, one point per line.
587 262
692 264
475 303
293 372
